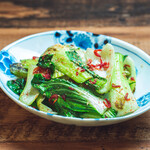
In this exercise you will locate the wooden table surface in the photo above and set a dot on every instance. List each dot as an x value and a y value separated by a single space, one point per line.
21 130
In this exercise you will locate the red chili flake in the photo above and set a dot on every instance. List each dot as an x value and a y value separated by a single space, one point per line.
46 76
126 97
77 73
39 70
96 52
107 103
89 61
54 96
93 82
78 68
36 70
34 107
71 88
126 65
91 69
93 65
132 78
82 70
106 117
116 86
27 94
63 97
90 66
101 61
106 65
34 57
44 71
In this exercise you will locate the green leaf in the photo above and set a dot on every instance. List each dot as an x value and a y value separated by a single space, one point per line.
45 62
124 57
110 113
18 70
34 105
17 85
77 100
38 79
74 57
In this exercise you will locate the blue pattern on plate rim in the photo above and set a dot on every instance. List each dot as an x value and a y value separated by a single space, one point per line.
142 101
79 39
5 60
82 40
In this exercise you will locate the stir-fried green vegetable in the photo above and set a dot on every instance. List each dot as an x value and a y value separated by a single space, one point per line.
131 76
77 99
96 82
29 94
68 81
64 65
18 70
27 62
106 56
120 95
43 107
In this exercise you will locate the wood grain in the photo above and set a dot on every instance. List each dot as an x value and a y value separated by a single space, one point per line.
76 145
62 13
21 130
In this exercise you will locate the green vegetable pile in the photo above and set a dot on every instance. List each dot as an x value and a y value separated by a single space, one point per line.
68 81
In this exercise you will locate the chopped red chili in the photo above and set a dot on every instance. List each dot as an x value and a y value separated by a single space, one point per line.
90 68
82 70
132 78
38 70
63 97
44 71
126 65
93 82
102 64
34 57
107 103
96 52
55 97
46 76
101 60
116 86
77 73
71 88
90 65
89 61
105 65
126 97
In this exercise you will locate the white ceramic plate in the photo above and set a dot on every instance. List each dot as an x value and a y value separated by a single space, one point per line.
36 44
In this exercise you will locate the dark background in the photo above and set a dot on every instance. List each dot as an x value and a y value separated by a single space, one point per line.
75 13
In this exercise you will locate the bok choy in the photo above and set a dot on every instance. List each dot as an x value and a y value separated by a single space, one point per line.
120 95
68 81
